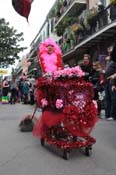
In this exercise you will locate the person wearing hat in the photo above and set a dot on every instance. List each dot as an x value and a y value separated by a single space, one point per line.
50 56
102 15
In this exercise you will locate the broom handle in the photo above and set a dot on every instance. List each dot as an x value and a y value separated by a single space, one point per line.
34 112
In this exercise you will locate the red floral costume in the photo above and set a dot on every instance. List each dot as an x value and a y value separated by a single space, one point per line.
77 116
66 100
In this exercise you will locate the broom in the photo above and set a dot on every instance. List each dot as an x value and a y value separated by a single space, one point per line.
27 124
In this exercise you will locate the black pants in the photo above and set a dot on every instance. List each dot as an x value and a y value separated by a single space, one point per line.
25 98
110 101
13 96
5 91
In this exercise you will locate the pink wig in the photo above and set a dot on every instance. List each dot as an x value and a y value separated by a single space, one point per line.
50 62
47 42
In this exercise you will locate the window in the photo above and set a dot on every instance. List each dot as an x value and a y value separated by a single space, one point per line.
52 25
48 30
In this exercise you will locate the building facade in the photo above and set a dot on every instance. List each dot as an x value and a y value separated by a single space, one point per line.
79 26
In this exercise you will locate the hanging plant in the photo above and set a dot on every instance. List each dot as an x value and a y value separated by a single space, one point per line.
58 8
77 28
60 30
64 46
112 2
68 40
51 14
92 15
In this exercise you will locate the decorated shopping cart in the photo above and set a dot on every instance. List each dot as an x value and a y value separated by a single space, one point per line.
68 111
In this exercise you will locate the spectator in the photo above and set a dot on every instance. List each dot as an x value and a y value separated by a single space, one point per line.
110 87
5 90
102 15
86 66
13 90
113 12
25 90
95 78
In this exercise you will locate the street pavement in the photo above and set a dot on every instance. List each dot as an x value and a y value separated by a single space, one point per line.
22 154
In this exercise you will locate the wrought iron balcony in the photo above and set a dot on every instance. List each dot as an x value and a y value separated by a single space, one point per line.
103 31
73 6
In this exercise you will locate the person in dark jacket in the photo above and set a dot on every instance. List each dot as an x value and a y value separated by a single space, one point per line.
110 87
86 66
102 15
113 12
95 79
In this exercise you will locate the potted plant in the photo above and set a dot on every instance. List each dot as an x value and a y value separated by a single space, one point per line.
60 30
77 28
58 8
51 14
112 2
92 16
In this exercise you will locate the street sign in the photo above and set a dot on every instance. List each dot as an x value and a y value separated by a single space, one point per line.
3 72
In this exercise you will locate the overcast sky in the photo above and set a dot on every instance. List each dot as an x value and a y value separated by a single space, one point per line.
39 10
38 13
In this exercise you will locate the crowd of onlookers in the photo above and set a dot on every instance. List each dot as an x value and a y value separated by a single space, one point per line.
103 78
21 90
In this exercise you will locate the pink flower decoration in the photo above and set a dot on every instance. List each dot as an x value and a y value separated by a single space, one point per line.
69 72
59 103
95 103
44 102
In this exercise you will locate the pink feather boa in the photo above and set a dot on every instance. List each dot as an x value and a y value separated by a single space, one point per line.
50 62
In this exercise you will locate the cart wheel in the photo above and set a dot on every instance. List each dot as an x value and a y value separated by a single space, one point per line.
42 142
88 151
66 154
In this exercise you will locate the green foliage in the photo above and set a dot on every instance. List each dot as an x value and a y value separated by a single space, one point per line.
112 2
51 14
92 15
9 44
60 29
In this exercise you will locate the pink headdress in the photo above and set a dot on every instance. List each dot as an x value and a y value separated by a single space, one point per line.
50 62
47 42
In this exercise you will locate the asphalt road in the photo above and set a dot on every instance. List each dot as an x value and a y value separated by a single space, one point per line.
22 154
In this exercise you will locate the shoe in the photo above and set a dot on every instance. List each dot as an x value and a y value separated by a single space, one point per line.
110 119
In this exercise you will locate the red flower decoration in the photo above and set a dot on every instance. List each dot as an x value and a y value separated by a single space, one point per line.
76 118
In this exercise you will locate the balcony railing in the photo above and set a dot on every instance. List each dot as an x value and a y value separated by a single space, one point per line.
66 9
100 25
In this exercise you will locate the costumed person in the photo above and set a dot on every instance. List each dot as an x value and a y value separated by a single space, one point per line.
5 90
50 56
50 60
68 111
